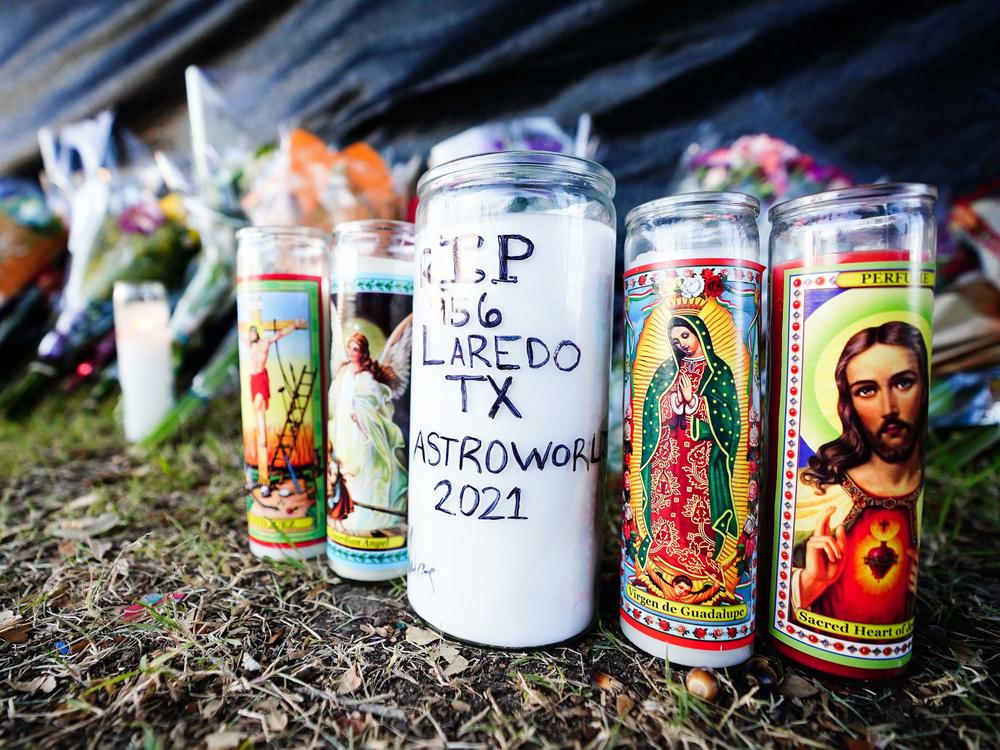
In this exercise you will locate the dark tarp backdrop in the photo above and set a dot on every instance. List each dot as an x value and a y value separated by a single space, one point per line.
900 90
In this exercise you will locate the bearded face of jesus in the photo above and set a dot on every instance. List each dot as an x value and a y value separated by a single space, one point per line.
886 393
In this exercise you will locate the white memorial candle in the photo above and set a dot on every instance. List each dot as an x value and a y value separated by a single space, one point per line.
142 337
512 332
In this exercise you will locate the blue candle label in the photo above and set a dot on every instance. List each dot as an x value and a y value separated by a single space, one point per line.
692 451
282 369
852 339
369 408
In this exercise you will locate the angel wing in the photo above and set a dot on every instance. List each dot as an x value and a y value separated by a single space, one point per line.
396 355
338 354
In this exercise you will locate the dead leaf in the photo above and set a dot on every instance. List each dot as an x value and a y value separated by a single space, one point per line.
420 636
797 687
44 684
211 708
856 744
606 682
385 631
316 591
460 707
83 528
67 547
84 501
458 664
98 548
249 663
275 636
532 697
14 629
277 721
223 740
623 704
349 681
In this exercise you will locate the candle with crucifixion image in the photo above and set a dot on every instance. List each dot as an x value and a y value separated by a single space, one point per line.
282 321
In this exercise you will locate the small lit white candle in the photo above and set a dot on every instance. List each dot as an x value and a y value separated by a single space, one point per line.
143 339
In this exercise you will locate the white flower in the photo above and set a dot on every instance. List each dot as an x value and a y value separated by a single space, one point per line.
692 286
754 435
715 178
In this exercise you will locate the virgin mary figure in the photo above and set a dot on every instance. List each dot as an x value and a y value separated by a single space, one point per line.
691 430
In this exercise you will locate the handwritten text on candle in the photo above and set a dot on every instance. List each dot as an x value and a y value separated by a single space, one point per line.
464 295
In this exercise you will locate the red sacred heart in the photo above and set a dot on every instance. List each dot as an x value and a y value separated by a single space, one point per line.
880 560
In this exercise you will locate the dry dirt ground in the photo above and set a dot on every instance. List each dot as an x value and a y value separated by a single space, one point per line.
242 653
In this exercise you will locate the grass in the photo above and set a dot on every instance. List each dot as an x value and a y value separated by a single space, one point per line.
286 654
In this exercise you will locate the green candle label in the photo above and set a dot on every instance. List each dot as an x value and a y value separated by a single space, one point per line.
281 376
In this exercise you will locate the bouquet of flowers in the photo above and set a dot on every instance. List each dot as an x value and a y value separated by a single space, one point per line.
768 168
119 230
31 236
304 182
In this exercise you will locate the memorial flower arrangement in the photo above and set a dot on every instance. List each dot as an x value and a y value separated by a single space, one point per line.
31 236
305 182
119 231
766 167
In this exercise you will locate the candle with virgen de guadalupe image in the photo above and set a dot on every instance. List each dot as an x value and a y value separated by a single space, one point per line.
692 421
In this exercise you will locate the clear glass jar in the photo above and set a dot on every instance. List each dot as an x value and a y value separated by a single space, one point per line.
283 319
371 288
896 216
692 423
142 339
694 225
852 281
512 337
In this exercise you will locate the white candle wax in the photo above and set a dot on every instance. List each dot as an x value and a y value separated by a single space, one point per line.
502 551
144 367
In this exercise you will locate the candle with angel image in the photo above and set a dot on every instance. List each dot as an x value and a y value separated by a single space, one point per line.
372 333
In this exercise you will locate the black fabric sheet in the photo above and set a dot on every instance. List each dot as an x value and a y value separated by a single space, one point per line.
909 91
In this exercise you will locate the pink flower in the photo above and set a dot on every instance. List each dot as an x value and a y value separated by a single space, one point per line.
142 218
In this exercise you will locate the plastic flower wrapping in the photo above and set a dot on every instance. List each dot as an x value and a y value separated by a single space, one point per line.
966 347
520 134
31 236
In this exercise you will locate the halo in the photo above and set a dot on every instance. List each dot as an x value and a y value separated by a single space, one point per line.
376 338
829 327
